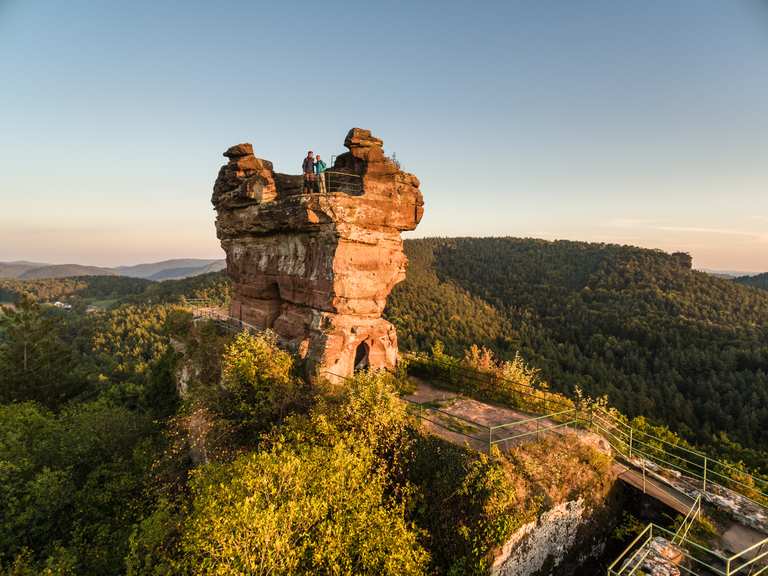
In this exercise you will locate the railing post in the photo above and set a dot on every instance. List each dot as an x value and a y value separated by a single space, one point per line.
728 567
643 475
490 439
704 489
630 442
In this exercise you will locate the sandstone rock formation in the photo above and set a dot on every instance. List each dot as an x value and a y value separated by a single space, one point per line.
317 268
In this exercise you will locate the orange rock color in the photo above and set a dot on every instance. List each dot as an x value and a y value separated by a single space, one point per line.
317 268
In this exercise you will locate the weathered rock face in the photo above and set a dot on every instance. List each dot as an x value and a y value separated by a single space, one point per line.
317 268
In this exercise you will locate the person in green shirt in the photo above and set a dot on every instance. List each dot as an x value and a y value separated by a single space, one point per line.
320 174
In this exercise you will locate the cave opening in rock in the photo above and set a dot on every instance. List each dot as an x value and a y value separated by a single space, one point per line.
361 356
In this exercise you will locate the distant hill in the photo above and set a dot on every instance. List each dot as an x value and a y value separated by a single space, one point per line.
730 274
166 270
113 290
188 272
758 281
660 339
65 271
16 269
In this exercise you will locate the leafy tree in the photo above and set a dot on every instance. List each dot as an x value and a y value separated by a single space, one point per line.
258 384
35 362
298 510
71 484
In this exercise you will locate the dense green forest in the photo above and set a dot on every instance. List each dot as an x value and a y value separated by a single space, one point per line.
105 468
758 281
134 441
106 291
660 339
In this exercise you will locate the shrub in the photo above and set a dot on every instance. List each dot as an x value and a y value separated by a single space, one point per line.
298 510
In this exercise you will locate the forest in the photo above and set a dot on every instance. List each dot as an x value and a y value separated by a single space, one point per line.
758 280
661 340
136 441
133 441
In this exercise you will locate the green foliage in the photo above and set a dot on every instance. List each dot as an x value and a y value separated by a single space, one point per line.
257 381
213 287
297 510
319 494
75 290
35 363
640 326
426 308
109 291
70 484
465 502
758 280
154 548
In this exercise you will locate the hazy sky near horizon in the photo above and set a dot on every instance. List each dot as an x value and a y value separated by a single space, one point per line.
641 122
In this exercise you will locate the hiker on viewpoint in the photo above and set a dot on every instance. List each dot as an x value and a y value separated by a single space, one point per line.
320 174
308 166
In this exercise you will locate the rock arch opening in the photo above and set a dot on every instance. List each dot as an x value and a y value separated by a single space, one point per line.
362 356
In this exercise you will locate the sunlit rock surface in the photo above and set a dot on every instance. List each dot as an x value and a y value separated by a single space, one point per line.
317 268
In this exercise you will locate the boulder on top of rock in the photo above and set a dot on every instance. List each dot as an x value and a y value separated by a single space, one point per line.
239 150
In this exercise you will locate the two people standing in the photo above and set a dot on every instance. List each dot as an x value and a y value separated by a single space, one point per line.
314 171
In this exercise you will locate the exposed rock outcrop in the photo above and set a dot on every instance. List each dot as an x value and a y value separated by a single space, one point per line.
317 268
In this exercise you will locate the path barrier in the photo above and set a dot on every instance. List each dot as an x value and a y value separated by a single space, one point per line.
344 182
689 556
638 447
512 432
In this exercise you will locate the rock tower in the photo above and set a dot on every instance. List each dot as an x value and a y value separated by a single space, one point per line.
316 268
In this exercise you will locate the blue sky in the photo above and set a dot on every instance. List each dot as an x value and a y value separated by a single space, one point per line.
640 122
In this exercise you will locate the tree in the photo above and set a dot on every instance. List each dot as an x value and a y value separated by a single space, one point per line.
258 383
294 510
35 362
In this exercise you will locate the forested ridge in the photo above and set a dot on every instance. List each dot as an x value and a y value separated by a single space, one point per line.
758 280
660 339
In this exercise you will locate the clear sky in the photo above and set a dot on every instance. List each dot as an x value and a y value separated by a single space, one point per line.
642 122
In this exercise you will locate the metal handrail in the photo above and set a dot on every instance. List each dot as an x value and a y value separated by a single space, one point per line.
708 468
690 518
342 182
649 530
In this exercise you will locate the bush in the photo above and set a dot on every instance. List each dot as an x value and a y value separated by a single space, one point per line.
298 510
258 383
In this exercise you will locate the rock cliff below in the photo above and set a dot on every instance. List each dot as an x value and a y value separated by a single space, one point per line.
317 268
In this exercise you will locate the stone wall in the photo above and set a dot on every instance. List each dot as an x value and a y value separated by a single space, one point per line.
317 268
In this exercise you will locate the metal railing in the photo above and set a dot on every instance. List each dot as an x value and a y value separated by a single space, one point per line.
204 310
693 558
711 474
488 436
536 425
343 182
629 442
